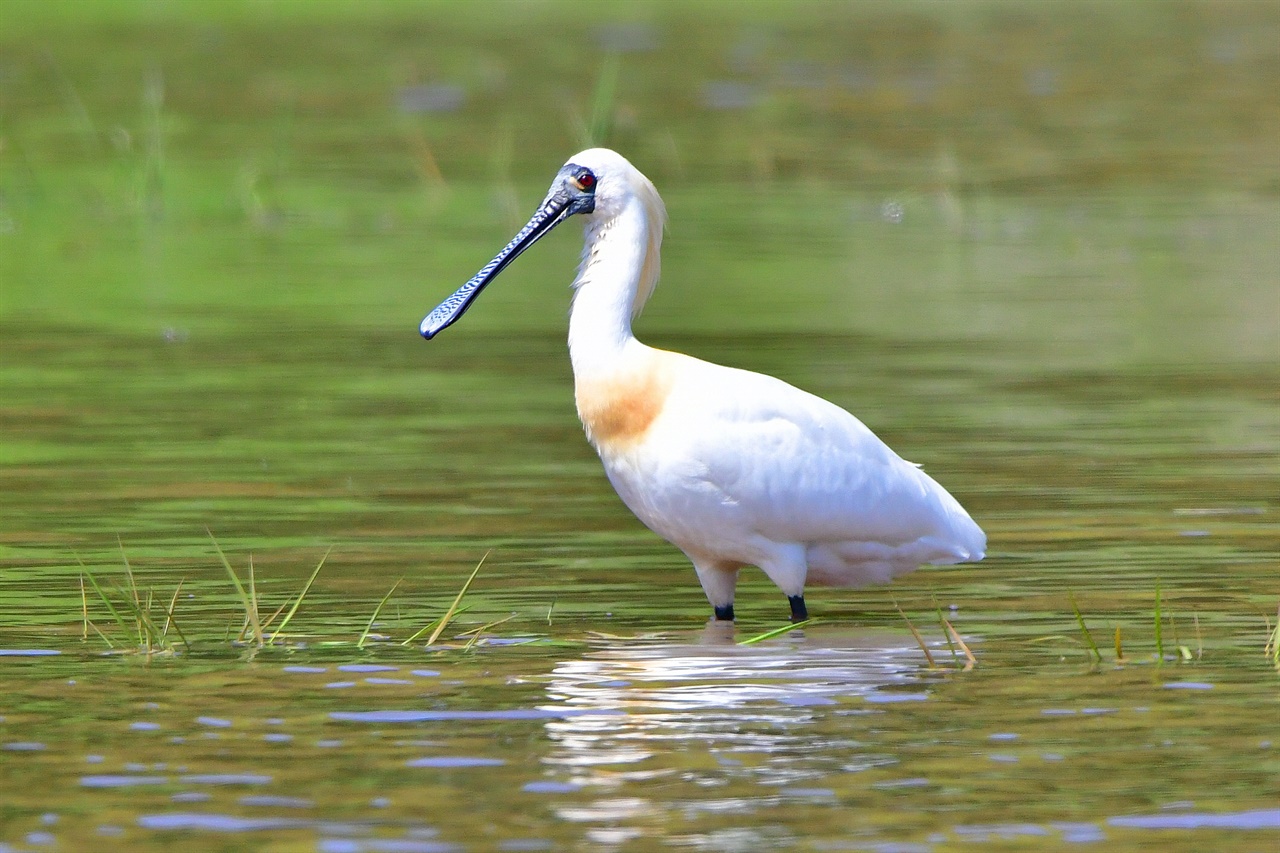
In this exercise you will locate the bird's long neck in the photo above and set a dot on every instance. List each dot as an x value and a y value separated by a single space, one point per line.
615 263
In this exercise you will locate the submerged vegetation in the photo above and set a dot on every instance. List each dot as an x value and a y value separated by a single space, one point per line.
146 620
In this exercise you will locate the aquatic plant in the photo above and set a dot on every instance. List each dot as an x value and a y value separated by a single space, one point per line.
1272 648
364 635
776 632
150 637
147 623
955 644
1088 637
437 627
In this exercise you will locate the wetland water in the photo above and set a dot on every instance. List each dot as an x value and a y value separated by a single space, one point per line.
218 234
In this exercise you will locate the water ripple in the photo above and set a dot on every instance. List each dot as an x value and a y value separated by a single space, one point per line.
1256 819
434 716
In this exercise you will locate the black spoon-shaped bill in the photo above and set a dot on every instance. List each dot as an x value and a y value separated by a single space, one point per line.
554 210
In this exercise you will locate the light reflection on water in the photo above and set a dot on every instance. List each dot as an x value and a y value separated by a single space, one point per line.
725 697
747 708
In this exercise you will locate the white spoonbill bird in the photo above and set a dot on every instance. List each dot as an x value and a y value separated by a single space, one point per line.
733 468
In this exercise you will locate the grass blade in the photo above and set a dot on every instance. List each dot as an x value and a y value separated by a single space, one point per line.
475 633
970 660
471 632
1272 649
298 601
133 590
943 623
453 608
250 610
919 640
104 637
84 610
776 632
270 620
1195 619
253 602
93 582
1084 629
364 635
431 626
1119 648
171 620
1159 629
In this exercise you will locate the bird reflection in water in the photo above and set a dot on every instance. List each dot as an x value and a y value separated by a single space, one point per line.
775 715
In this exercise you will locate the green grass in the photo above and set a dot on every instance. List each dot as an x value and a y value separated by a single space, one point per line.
919 639
136 616
145 624
1088 637
776 632
145 620
1272 648
437 627
368 629
248 598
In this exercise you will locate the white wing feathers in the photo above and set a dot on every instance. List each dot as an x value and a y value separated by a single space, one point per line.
801 469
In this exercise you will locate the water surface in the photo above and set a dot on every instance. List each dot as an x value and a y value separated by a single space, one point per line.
1033 247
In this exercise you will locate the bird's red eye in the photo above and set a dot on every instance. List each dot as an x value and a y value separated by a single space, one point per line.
586 181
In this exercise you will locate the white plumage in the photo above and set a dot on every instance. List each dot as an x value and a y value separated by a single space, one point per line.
734 468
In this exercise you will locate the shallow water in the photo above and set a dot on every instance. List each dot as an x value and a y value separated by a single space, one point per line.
1061 298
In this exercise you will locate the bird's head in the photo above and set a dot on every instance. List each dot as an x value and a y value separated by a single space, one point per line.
597 183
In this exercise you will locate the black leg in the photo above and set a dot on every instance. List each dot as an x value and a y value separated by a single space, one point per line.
799 612
725 613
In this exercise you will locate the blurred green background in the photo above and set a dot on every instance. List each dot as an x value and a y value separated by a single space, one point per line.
173 163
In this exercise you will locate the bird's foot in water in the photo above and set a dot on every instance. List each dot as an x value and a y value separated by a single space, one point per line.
799 612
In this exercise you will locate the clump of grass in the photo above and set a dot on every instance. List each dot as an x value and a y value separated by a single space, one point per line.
297 602
255 627
151 625
1163 623
952 637
138 619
